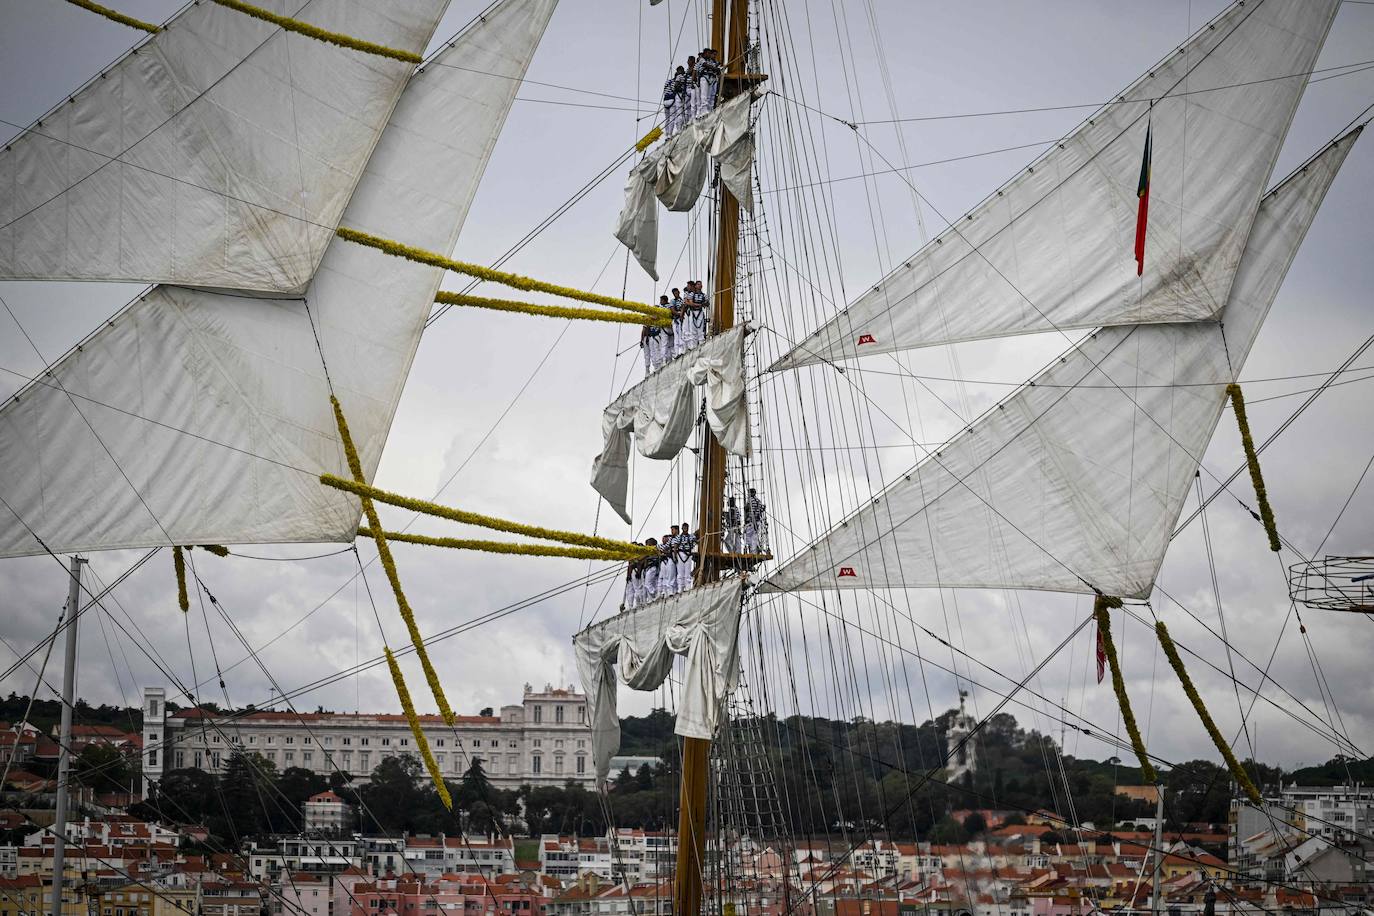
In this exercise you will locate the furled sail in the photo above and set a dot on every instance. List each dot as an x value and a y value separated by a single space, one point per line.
220 152
1074 483
675 174
638 647
1052 248
216 406
661 412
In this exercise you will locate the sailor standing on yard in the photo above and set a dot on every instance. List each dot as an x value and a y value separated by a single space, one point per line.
686 551
689 89
708 81
667 569
648 589
630 602
698 316
674 92
755 523
730 526
650 341
678 308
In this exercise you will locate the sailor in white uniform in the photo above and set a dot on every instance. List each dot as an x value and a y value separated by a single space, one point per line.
755 523
648 589
690 92
674 102
698 316
631 600
667 563
708 81
730 526
686 552
679 310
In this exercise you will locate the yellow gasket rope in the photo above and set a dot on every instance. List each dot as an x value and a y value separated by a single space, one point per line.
648 139
216 549
116 16
319 34
472 518
533 550
1102 611
553 311
179 563
1241 777
1271 528
389 564
528 284
420 740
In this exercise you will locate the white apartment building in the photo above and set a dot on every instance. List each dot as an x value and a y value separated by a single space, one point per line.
1261 838
543 740
442 855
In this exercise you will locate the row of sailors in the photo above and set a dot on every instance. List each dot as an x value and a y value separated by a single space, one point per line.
691 324
666 574
691 91
674 568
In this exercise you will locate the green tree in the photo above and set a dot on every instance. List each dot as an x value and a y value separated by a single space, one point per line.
103 768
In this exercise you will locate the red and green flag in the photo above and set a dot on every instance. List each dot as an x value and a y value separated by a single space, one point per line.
1142 191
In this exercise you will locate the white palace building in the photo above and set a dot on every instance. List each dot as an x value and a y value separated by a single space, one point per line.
542 741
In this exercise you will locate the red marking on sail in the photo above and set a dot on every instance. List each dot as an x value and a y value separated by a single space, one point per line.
865 338
1142 191
847 571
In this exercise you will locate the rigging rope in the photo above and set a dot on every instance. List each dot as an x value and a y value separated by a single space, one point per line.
319 34
552 311
536 550
389 564
370 493
1237 771
420 256
1102 611
1252 459
116 16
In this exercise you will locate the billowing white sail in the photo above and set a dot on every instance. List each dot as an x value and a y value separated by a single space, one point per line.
220 152
661 412
215 406
675 174
1053 247
1075 482
638 647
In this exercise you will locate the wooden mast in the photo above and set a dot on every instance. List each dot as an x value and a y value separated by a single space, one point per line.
696 752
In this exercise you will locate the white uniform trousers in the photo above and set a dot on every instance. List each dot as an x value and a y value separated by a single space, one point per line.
649 587
648 349
630 596
681 336
731 538
751 538
706 95
684 573
689 108
670 119
667 576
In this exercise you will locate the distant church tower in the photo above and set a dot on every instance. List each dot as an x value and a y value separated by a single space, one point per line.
961 754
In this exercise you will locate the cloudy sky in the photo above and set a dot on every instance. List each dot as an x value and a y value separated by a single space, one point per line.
501 413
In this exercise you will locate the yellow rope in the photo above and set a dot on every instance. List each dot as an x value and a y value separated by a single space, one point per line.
179 562
1252 459
472 518
420 740
528 284
554 311
319 34
116 16
1237 771
389 564
1102 611
648 139
533 550
216 549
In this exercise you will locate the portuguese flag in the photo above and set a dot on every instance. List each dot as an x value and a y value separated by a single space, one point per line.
1142 191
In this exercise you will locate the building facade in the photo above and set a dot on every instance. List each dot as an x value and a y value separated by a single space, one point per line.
543 740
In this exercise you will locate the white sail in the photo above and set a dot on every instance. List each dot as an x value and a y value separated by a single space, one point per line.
638 647
216 406
1075 482
1053 247
661 412
675 174
220 152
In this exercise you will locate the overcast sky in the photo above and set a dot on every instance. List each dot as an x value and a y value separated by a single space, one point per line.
530 461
